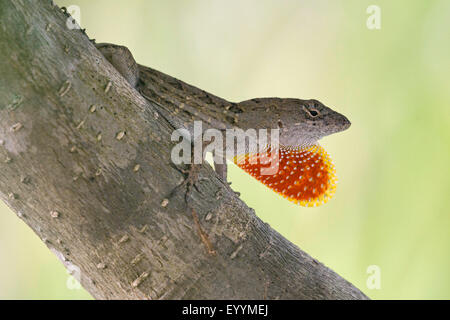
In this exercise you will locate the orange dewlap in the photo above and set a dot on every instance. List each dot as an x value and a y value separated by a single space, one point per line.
303 175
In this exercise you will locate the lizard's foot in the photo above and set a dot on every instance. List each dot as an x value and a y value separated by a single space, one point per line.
189 182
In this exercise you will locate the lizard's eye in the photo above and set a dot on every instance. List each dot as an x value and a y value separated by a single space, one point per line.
311 111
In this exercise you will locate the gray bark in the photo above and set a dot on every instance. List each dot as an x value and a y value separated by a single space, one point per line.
85 162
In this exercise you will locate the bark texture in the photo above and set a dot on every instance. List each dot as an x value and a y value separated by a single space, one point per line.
85 162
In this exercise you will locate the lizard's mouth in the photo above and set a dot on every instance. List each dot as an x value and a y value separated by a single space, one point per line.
336 124
341 123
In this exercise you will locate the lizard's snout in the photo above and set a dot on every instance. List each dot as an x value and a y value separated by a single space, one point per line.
345 123
339 123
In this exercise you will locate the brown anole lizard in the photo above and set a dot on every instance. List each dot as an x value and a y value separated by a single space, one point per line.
305 173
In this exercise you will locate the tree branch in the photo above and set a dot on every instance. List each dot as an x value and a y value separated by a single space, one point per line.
85 162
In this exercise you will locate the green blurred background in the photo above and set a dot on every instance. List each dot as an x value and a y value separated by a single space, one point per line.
391 208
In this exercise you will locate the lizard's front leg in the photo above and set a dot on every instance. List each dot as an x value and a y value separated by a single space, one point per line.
122 60
221 169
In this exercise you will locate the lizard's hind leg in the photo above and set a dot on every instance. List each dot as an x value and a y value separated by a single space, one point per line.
121 59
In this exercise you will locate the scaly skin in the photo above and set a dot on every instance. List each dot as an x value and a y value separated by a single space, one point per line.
301 122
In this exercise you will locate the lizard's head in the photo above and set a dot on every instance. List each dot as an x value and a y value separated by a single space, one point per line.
301 122
301 170
309 119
